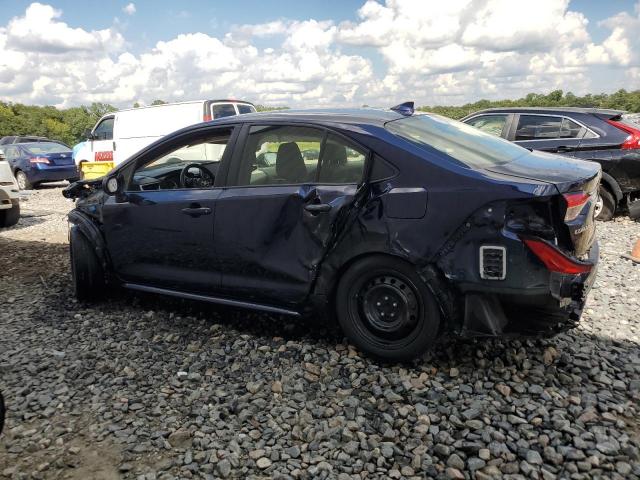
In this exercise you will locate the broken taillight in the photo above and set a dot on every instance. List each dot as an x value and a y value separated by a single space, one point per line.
554 259
575 204
633 140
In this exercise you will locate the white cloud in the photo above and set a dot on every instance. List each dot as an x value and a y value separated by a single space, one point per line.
129 9
446 52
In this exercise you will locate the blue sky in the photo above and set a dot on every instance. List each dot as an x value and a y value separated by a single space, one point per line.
429 50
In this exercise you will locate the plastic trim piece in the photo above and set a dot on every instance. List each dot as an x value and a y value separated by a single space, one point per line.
210 299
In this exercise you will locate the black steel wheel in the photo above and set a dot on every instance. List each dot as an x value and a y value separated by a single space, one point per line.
386 309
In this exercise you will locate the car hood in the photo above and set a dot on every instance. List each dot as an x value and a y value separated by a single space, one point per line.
565 173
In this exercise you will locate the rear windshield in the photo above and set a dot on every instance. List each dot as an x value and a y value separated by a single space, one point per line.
468 145
47 147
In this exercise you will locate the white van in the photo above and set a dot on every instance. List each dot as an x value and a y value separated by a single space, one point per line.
119 135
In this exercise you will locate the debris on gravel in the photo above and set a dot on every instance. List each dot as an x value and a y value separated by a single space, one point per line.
144 387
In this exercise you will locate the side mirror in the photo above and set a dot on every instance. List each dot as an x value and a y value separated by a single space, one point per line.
87 134
113 184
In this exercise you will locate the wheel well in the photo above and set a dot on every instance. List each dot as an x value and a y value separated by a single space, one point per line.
610 183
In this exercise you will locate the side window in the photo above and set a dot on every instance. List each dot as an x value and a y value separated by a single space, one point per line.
571 129
194 164
245 109
341 161
11 153
280 155
538 127
493 124
222 110
104 131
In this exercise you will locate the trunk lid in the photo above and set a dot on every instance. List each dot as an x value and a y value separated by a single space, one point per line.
574 215
58 159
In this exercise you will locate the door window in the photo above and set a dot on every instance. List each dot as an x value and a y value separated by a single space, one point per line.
342 162
194 164
538 127
493 124
104 130
222 110
246 108
280 155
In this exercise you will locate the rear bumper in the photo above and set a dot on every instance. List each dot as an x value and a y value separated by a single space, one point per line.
543 311
45 173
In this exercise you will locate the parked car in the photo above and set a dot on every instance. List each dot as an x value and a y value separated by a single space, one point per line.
10 140
603 136
428 226
40 162
9 195
119 135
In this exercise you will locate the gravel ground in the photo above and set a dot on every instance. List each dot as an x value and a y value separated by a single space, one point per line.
149 388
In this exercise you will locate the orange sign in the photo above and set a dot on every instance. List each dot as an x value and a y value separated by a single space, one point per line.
104 156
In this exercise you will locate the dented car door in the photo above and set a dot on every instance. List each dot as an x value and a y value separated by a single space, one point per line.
274 224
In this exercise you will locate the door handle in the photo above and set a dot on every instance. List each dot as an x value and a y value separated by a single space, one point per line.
317 207
564 148
196 211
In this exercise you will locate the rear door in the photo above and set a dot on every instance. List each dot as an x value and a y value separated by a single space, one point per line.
274 223
549 133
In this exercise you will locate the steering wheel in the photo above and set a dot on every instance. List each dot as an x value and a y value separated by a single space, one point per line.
194 175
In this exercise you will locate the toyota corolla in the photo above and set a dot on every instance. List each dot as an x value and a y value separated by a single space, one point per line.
407 227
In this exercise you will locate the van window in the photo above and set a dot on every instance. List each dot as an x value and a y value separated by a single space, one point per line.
222 110
104 130
246 109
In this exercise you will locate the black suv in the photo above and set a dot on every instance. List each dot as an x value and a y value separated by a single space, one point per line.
603 136
406 226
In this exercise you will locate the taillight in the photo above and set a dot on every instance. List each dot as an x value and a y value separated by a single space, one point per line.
575 204
39 160
554 259
633 140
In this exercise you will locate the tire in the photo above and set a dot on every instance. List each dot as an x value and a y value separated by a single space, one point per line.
607 206
86 272
23 181
8 218
377 288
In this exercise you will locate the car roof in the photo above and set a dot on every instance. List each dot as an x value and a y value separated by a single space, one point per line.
332 115
602 111
27 144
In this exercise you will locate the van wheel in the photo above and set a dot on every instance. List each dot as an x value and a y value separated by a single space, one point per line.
86 271
10 217
386 309
605 205
23 181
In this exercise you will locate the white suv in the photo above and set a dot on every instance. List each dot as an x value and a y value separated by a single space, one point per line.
9 196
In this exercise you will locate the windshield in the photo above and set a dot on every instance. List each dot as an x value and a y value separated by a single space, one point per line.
468 145
47 147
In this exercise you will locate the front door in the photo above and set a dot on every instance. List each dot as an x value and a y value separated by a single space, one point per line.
276 219
102 143
160 232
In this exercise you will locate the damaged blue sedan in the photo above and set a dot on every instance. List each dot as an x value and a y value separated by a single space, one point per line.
405 226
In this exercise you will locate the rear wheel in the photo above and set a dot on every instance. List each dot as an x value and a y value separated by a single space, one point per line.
10 217
86 271
386 310
23 181
606 205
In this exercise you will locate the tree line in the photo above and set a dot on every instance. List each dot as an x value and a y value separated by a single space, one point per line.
68 125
